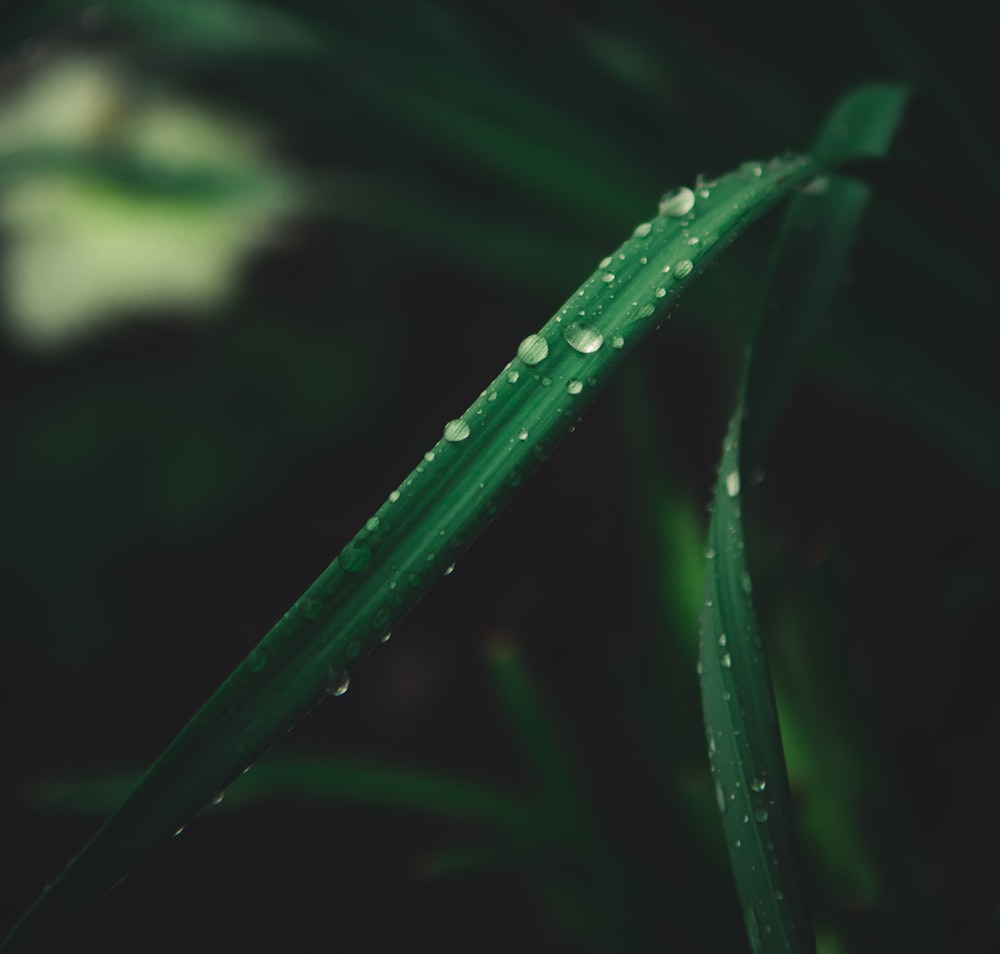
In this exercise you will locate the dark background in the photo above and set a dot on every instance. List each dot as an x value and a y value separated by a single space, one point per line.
169 488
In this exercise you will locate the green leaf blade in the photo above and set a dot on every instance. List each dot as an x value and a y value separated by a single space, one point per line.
741 719
408 545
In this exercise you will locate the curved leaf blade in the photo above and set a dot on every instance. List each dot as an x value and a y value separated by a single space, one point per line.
741 720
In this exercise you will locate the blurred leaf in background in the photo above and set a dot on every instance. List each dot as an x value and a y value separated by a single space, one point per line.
119 199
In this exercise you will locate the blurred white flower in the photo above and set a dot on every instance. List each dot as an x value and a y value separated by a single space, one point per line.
116 200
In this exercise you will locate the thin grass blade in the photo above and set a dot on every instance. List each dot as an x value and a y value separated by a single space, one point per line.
741 720
435 513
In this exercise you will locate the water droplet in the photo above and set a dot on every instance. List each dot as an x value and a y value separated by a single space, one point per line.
722 639
546 382
354 557
746 583
617 342
710 555
512 377
217 798
574 386
737 843
733 483
660 292
373 522
394 496
414 579
677 202
665 269
583 338
683 268
760 814
605 262
429 457
758 783
641 231
257 660
720 799
450 570
311 607
694 240
727 661
779 895
646 310
455 431
179 832
337 681
380 617
751 169
386 638
522 435
608 277
533 350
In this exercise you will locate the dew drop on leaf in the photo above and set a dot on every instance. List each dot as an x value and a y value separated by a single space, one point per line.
257 660
583 338
574 386
677 202
733 483
354 557
683 268
758 783
457 430
641 231
337 681
533 350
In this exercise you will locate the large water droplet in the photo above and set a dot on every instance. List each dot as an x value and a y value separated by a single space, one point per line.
394 496
683 268
733 483
373 522
574 386
354 557
677 202
605 262
456 430
583 338
533 350
337 681
641 231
